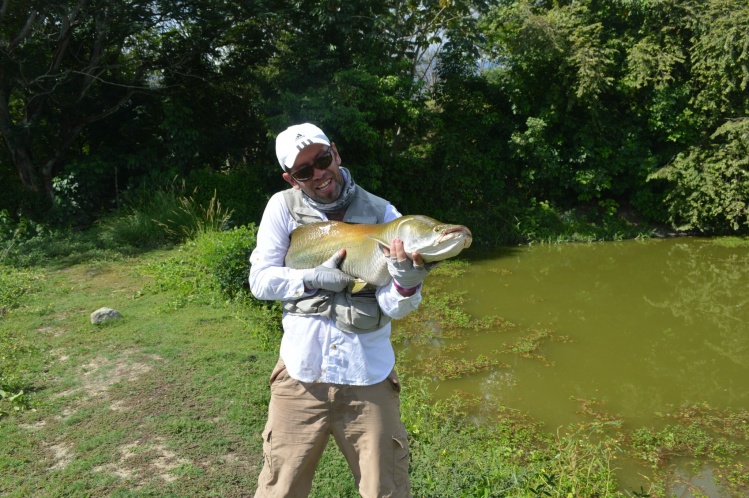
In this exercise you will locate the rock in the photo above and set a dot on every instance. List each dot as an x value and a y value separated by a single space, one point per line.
104 314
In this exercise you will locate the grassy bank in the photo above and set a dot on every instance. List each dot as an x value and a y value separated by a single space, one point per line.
170 400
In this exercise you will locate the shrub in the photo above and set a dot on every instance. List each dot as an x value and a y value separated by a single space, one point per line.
215 268
241 190
214 262
13 285
226 258
166 215
710 185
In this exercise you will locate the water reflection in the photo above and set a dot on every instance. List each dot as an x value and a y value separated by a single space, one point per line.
652 323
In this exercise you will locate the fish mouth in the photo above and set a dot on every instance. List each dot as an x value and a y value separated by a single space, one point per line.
456 232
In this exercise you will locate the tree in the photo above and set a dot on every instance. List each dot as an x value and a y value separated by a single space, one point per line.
357 68
68 64
710 189
704 106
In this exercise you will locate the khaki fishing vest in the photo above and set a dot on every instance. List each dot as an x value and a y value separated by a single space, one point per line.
360 312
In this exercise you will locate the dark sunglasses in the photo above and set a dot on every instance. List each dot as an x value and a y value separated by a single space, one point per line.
307 172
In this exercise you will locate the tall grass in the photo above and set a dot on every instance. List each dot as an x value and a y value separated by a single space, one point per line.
166 215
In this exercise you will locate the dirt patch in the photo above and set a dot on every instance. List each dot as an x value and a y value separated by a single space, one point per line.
101 373
120 405
144 460
53 331
36 426
62 454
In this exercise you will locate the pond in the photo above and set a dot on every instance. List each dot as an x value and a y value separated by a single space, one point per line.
640 326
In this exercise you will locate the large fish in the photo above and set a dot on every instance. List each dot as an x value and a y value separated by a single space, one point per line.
314 243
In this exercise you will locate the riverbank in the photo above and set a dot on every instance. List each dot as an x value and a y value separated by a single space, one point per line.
170 400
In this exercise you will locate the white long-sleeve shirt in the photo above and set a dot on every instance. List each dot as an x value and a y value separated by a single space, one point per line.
312 347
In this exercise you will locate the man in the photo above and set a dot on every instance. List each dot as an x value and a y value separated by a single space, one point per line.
336 370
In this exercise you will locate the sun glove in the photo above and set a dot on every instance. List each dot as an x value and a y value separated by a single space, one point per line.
327 276
405 274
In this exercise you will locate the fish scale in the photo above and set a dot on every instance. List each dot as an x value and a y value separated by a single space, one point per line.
313 244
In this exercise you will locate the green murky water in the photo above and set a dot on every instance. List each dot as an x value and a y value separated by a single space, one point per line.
648 324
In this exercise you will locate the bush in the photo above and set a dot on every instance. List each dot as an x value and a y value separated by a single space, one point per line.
215 262
13 285
25 243
215 268
240 190
226 258
545 223
166 215
710 185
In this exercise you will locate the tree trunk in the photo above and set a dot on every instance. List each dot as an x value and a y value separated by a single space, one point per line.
25 167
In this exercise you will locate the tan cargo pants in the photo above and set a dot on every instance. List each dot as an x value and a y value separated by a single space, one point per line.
364 420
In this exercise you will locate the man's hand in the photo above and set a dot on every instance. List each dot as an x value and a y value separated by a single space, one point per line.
327 276
407 272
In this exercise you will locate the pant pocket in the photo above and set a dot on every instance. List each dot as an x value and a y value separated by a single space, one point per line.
400 465
277 370
267 452
393 378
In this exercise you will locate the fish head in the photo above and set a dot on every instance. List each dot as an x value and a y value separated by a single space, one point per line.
432 239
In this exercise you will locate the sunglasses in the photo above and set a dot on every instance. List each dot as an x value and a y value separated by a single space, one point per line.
307 172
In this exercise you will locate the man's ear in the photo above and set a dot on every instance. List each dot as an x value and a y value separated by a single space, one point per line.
290 180
336 155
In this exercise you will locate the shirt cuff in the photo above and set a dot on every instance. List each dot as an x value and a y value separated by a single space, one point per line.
296 287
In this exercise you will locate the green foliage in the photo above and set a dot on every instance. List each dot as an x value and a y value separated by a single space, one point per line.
25 243
165 215
504 455
654 447
214 268
226 256
239 190
710 191
149 51
51 247
720 57
14 284
546 223
12 232
215 262
557 65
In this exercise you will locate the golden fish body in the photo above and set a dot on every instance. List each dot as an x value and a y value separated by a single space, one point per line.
314 243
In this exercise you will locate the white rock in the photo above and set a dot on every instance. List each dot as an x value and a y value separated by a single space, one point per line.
104 314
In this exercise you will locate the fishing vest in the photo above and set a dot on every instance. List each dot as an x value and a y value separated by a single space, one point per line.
360 312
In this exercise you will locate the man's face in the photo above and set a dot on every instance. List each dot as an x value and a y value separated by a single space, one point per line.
325 185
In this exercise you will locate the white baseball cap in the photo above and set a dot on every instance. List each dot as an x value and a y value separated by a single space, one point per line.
291 141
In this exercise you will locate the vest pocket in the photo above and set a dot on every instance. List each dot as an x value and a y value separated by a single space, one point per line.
358 312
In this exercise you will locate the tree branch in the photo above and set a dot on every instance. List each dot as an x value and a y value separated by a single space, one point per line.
25 31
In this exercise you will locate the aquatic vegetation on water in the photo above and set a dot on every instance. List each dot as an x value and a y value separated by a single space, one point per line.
594 409
444 367
529 345
733 424
692 449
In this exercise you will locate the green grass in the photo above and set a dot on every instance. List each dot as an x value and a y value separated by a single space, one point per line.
732 241
171 399
159 399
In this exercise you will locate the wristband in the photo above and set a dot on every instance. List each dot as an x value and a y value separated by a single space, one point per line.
403 289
